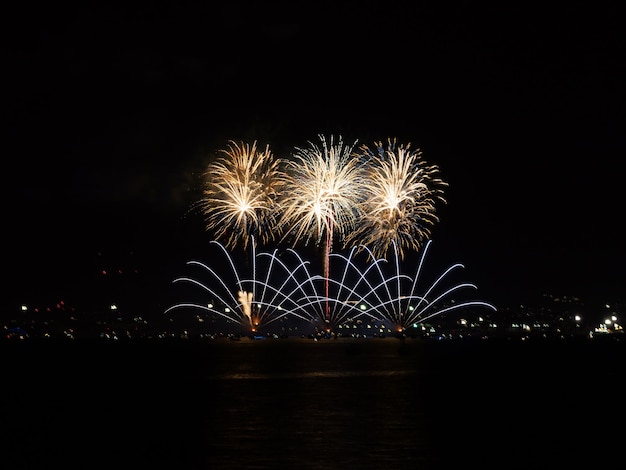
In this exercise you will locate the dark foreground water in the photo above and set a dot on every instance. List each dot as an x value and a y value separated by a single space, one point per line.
290 403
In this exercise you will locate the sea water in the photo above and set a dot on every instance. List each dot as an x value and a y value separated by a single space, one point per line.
300 403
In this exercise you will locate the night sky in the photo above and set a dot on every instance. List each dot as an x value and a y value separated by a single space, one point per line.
115 111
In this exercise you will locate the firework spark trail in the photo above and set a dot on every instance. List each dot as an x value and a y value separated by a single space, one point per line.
412 314
225 300
244 309
355 293
400 193
293 296
240 196
393 297
228 299
300 285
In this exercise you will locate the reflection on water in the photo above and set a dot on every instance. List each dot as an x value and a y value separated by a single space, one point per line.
303 404
314 423
314 374
328 405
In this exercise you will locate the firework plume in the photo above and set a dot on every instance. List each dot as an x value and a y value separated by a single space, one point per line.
400 193
240 197
322 198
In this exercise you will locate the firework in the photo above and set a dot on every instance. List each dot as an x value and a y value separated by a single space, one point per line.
323 190
323 194
400 192
279 288
282 289
240 197
373 199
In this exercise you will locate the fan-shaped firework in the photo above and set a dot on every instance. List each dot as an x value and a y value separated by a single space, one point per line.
280 287
241 193
400 193
398 298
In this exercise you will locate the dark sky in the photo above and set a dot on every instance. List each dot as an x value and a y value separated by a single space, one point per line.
114 111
